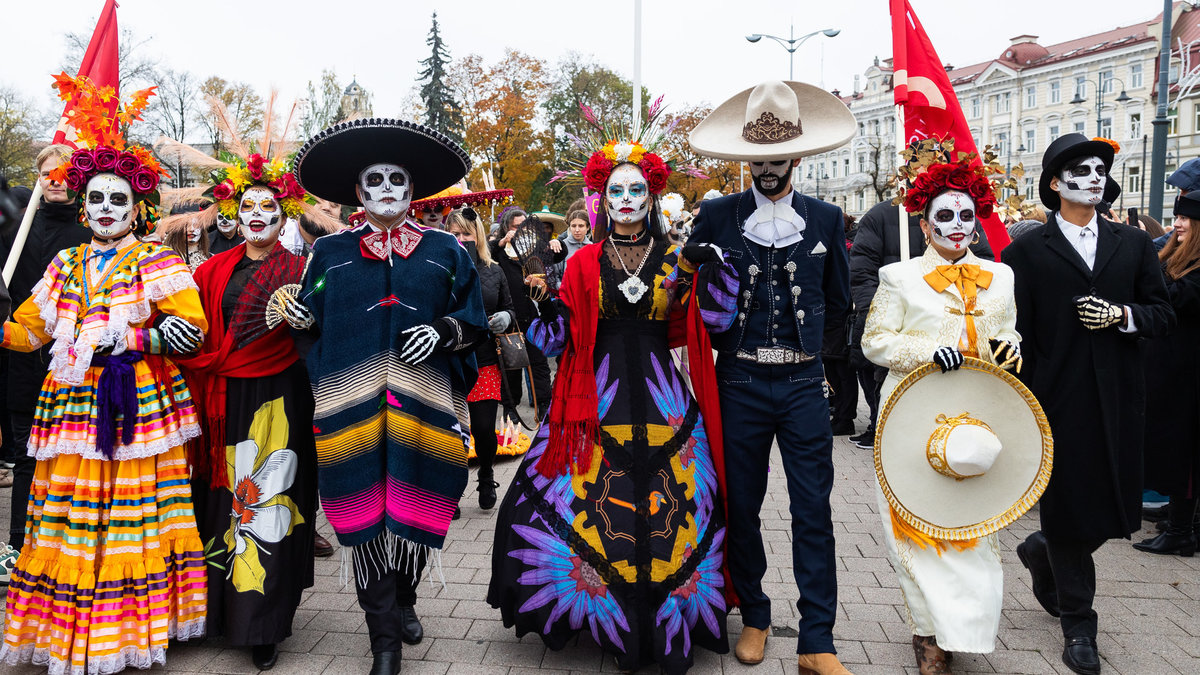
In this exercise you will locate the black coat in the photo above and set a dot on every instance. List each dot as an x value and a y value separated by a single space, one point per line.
1090 382
525 308
496 298
1173 396
55 227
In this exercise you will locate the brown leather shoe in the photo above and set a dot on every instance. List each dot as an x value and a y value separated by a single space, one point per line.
821 664
321 547
931 660
751 645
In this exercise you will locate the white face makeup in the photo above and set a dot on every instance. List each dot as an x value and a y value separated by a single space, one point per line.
260 216
433 218
193 232
386 190
951 218
771 178
627 195
225 225
1083 183
109 206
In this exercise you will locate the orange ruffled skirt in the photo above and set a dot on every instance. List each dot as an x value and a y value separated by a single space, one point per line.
112 566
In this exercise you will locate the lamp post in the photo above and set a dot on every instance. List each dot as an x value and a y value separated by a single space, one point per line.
792 43
1099 85
1020 151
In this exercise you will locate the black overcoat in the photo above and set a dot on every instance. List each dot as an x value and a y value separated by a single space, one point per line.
1090 382
1173 396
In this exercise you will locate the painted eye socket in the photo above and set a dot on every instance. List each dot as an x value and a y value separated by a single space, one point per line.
637 190
967 216
944 216
616 191
247 205
397 179
374 179
119 199
95 197
268 205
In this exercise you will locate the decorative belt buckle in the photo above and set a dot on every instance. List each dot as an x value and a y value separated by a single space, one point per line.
771 355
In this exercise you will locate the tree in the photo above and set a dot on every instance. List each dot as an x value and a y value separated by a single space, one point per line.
135 67
500 105
172 113
442 112
21 127
881 165
579 83
244 105
323 108
721 175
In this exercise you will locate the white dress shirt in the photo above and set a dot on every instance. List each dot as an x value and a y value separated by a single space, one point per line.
773 223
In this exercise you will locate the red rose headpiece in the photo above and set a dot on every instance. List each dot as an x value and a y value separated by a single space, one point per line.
960 176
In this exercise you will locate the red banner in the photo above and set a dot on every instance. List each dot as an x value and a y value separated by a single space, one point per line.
100 64
931 109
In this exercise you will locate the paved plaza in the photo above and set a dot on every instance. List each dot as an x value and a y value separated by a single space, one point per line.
1149 607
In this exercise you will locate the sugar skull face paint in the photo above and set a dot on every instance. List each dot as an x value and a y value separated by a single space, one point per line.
109 206
1083 182
194 231
627 195
951 219
386 190
259 215
771 178
226 226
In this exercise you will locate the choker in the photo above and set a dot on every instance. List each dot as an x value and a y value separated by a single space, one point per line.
109 240
629 240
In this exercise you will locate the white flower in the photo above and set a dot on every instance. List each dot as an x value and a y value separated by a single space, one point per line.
672 206
622 151
252 489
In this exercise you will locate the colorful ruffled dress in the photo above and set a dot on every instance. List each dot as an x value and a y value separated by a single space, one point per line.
112 565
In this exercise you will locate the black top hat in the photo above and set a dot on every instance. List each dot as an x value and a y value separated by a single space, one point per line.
329 163
1064 149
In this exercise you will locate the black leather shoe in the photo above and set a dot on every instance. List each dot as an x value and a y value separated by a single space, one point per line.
264 656
1032 553
487 493
1170 543
385 663
321 547
457 514
1080 656
411 631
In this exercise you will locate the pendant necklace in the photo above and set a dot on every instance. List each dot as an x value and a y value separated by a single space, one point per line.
633 288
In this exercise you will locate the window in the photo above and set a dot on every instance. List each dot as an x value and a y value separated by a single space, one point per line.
1133 179
1031 96
1106 81
1055 91
1080 126
846 166
1105 127
833 169
1003 102
862 162
875 125
1052 133
862 129
860 201
1173 121
1000 140
1031 140
1028 189
1080 86
1135 76
1135 125
976 107
892 126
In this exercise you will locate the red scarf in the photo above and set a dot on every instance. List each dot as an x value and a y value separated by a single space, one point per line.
574 421
219 358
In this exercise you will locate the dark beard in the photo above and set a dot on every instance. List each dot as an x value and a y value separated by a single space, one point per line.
780 185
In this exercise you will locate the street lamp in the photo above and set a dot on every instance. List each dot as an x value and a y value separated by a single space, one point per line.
818 179
1099 85
791 44
1020 151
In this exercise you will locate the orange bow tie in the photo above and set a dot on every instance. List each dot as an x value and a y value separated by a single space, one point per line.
968 279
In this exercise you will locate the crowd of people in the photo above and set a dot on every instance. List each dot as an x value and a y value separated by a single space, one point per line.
185 390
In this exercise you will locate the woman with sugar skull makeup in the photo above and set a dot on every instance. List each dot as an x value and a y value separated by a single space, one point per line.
112 565
940 308
574 550
255 468
189 241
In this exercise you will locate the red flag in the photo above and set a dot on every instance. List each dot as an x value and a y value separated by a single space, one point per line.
100 65
931 108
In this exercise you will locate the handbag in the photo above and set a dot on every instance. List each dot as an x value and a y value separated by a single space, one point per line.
511 351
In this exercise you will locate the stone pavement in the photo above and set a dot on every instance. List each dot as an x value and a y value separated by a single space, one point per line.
1149 607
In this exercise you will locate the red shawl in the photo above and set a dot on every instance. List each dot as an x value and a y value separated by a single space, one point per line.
574 423
219 358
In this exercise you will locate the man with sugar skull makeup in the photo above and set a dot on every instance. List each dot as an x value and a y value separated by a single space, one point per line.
395 310
953 593
110 510
224 235
790 255
1086 290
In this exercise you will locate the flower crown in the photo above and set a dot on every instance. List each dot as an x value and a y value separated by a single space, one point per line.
930 170
228 184
602 162
97 119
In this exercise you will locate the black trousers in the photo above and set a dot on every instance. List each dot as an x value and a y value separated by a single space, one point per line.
843 397
483 430
872 386
381 594
541 380
22 422
1075 579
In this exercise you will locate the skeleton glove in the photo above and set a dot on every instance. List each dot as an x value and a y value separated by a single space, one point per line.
296 314
1006 354
181 337
1097 313
422 340
948 358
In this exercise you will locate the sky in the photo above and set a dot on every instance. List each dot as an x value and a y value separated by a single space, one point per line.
693 52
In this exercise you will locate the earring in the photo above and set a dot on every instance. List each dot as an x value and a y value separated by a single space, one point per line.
975 239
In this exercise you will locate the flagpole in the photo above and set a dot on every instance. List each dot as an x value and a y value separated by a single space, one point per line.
900 143
14 254
637 69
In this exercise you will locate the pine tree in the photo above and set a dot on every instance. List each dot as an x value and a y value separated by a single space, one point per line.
442 112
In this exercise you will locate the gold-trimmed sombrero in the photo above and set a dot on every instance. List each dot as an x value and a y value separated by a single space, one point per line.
960 455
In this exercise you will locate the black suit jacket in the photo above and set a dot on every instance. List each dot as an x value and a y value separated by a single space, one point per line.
1089 382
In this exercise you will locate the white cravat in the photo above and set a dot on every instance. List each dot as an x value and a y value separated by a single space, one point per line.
773 223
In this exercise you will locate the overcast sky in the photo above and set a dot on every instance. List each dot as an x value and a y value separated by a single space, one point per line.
694 51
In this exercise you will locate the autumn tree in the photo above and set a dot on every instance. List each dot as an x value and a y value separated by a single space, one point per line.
580 82
322 106
500 104
172 113
719 174
441 110
21 126
244 105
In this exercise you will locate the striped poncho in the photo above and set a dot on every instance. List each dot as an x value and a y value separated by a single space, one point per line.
391 437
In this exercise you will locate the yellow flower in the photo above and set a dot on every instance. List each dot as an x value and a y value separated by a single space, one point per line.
240 176
228 208
274 169
291 207
609 151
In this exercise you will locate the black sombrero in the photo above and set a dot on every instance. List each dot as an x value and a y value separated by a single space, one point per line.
329 163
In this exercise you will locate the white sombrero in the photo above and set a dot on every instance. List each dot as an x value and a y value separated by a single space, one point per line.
960 455
774 121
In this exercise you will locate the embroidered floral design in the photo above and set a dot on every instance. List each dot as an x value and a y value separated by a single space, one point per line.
262 469
700 597
770 129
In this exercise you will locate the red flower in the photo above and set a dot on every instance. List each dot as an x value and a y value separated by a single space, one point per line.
656 172
84 160
223 190
255 164
128 164
76 179
106 158
959 179
979 189
597 171
144 181
984 210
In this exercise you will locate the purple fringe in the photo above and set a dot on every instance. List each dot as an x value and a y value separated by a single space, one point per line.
116 394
